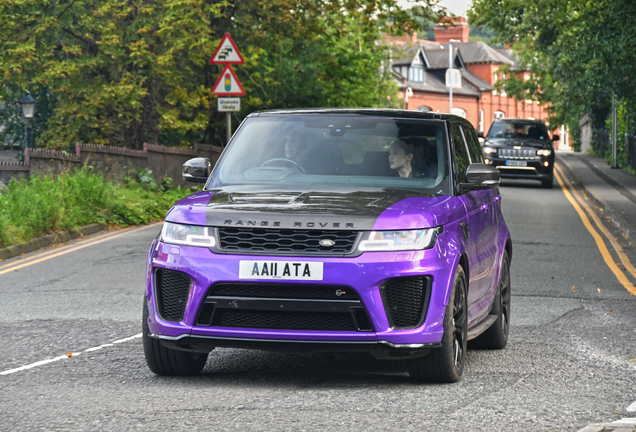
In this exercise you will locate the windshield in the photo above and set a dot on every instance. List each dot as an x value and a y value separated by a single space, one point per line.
351 150
522 130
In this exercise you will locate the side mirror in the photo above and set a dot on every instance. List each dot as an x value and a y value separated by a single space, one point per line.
480 134
196 170
555 137
481 176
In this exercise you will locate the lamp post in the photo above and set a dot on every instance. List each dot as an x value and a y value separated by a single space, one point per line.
28 110
450 72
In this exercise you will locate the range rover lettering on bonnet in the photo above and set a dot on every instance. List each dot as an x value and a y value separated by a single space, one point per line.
277 224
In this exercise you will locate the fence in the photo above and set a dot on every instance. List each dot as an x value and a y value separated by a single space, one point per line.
114 162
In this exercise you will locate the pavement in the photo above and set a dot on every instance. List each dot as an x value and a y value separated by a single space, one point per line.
614 191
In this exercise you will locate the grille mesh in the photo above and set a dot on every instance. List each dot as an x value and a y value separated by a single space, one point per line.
291 321
286 240
405 300
284 291
172 289
527 154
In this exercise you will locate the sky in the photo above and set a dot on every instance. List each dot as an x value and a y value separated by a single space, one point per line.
458 7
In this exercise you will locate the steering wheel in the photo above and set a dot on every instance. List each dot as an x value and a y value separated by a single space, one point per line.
285 160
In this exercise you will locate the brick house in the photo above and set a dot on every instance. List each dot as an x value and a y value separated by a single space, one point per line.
420 65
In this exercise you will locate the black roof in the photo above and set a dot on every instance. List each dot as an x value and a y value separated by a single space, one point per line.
384 112
517 120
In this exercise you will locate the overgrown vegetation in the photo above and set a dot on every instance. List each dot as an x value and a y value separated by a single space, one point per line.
53 203
125 72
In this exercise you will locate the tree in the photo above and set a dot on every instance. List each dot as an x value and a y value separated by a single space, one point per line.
317 53
579 52
119 72
123 72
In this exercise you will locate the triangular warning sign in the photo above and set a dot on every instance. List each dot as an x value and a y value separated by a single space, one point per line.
228 84
227 52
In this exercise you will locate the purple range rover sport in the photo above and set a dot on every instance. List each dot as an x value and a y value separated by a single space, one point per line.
367 230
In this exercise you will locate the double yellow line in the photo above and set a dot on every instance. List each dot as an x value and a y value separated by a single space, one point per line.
70 248
577 202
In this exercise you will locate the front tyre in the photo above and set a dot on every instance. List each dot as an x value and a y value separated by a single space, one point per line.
166 361
446 364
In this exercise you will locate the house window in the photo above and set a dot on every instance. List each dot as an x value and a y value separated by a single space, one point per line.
424 108
458 111
499 114
481 120
416 74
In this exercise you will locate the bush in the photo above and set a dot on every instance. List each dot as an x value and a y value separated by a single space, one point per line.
47 204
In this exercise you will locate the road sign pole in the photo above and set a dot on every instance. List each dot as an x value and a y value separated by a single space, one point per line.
228 118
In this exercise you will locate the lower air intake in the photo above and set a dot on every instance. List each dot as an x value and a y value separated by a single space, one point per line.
172 288
405 301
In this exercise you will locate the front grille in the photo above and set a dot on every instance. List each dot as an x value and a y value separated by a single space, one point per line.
527 154
405 300
278 320
284 291
286 240
172 288
284 306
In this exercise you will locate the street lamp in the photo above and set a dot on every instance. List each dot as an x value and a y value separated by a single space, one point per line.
450 72
28 111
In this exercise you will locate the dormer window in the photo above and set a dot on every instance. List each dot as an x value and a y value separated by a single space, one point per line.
416 74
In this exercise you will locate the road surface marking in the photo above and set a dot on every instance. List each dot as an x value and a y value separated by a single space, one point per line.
69 355
68 249
621 253
597 237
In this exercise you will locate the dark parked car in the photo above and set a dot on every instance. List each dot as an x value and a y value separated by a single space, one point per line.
364 230
521 149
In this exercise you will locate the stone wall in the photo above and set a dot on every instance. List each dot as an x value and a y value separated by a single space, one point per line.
586 133
113 162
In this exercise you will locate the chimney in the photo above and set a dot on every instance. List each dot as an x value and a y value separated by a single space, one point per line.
414 38
452 28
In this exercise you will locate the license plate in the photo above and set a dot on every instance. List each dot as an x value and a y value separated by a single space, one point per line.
516 163
285 270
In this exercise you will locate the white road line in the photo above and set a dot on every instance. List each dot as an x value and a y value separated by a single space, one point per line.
69 355
632 408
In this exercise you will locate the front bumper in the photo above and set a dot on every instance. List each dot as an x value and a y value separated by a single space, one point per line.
535 169
365 274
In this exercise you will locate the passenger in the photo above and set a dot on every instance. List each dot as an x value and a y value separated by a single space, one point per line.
402 156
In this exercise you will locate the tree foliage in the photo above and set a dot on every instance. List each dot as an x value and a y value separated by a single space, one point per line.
579 51
122 72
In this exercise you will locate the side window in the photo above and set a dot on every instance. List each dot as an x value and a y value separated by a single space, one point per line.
461 152
474 149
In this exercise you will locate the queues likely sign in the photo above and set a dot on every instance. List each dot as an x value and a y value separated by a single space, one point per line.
229 104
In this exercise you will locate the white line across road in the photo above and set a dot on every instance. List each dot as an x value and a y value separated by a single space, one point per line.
69 355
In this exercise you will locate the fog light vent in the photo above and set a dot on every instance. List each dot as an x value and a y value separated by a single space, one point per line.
406 300
172 288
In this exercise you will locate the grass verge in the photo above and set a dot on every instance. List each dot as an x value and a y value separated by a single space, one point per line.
53 203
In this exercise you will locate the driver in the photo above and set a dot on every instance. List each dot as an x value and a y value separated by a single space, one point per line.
297 146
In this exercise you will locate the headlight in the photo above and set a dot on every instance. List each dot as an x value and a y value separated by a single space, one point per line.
544 152
489 150
189 235
400 240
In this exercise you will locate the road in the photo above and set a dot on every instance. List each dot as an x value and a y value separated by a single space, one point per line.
567 364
